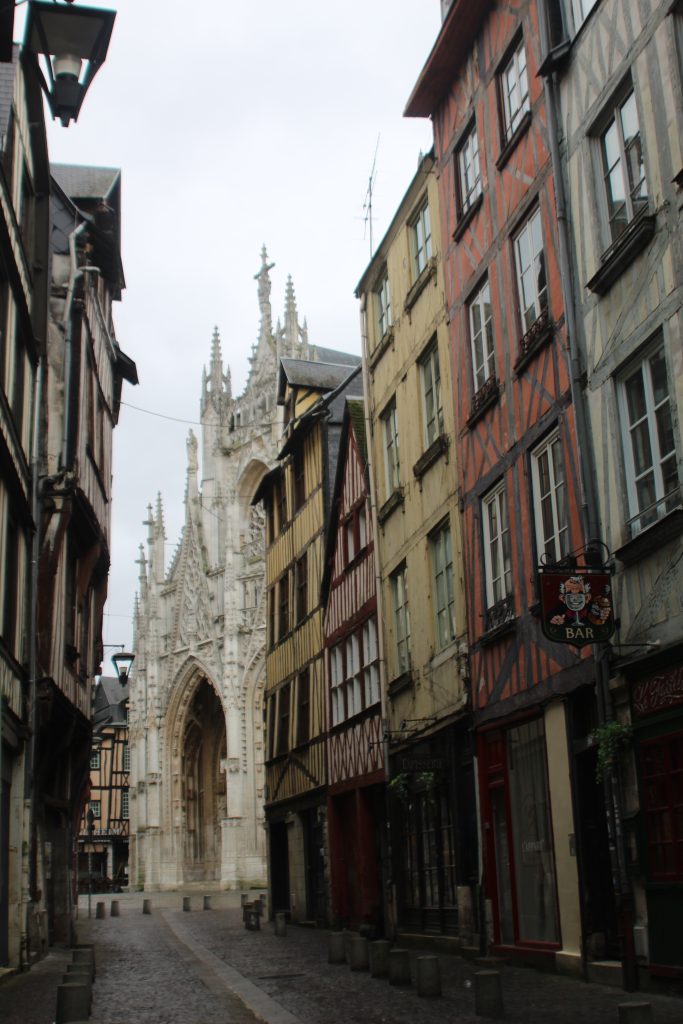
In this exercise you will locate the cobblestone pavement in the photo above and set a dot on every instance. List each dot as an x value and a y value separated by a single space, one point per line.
172 967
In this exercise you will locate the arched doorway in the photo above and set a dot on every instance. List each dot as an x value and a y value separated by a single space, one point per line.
204 750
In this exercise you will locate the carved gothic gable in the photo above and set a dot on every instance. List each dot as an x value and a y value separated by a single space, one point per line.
194 612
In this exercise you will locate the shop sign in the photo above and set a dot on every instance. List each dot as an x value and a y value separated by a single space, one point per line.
576 606
657 693
416 763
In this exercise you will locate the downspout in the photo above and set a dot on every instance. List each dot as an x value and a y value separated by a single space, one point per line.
74 273
390 893
590 514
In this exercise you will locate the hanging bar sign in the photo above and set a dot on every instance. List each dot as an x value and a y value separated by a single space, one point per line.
577 606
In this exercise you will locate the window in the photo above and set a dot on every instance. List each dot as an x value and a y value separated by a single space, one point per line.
497 554
11 581
303 708
336 663
124 804
283 606
399 594
271 616
421 240
96 808
383 306
354 676
354 673
550 500
530 266
371 662
623 168
444 601
580 10
468 175
95 761
431 393
301 584
391 462
515 91
281 498
648 440
283 719
126 757
481 336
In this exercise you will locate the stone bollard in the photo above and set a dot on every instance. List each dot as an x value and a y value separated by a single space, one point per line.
85 958
348 935
100 912
358 955
146 906
187 904
258 906
85 945
81 976
114 909
73 1002
635 1013
378 956
281 924
488 994
244 898
428 976
336 953
399 967
207 903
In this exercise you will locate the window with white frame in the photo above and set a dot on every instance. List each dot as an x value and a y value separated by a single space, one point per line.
431 394
468 170
497 553
531 273
399 596
442 575
96 808
421 234
391 460
336 664
95 761
514 86
650 456
623 167
550 500
580 11
371 662
481 336
126 757
383 306
125 808
354 673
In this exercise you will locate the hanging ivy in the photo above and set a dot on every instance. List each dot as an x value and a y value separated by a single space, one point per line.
611 739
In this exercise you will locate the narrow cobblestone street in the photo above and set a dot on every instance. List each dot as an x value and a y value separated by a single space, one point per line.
204 967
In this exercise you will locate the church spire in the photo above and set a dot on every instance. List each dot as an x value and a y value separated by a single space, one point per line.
291 319
263 278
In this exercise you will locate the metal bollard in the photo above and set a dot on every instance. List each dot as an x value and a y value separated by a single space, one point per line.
207 903
488 994
399 967
378 956
428 976
114 909
335 948
100 912
73 1002
281 924
146 906
635 1013
358 956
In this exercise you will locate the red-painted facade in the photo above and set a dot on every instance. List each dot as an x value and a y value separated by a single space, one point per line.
355 758
518 458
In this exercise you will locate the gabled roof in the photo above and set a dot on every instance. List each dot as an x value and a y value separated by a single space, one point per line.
86 182
110 702
309 373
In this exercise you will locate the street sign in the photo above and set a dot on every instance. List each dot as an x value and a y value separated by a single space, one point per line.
576 606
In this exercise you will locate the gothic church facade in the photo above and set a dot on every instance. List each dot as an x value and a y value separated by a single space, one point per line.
196 694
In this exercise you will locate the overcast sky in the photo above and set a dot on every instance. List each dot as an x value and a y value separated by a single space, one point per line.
237 124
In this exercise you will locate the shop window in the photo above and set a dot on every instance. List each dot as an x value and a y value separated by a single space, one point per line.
661 768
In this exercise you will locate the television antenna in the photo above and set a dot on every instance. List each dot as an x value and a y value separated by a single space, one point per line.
367 204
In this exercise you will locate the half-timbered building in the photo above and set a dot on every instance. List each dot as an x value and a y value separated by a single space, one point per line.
615 74
421 583
520 480
297 497
356 795
104 828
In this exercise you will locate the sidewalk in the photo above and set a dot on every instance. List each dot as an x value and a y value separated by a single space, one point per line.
204 967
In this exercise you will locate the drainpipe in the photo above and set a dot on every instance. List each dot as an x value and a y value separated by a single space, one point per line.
389 904
74 273
589 510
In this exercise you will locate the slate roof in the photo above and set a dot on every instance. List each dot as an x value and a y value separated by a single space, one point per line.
310 373
110 702
332 355
85 182
7 73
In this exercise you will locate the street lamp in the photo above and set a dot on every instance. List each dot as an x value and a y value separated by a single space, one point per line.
73 41
122 662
